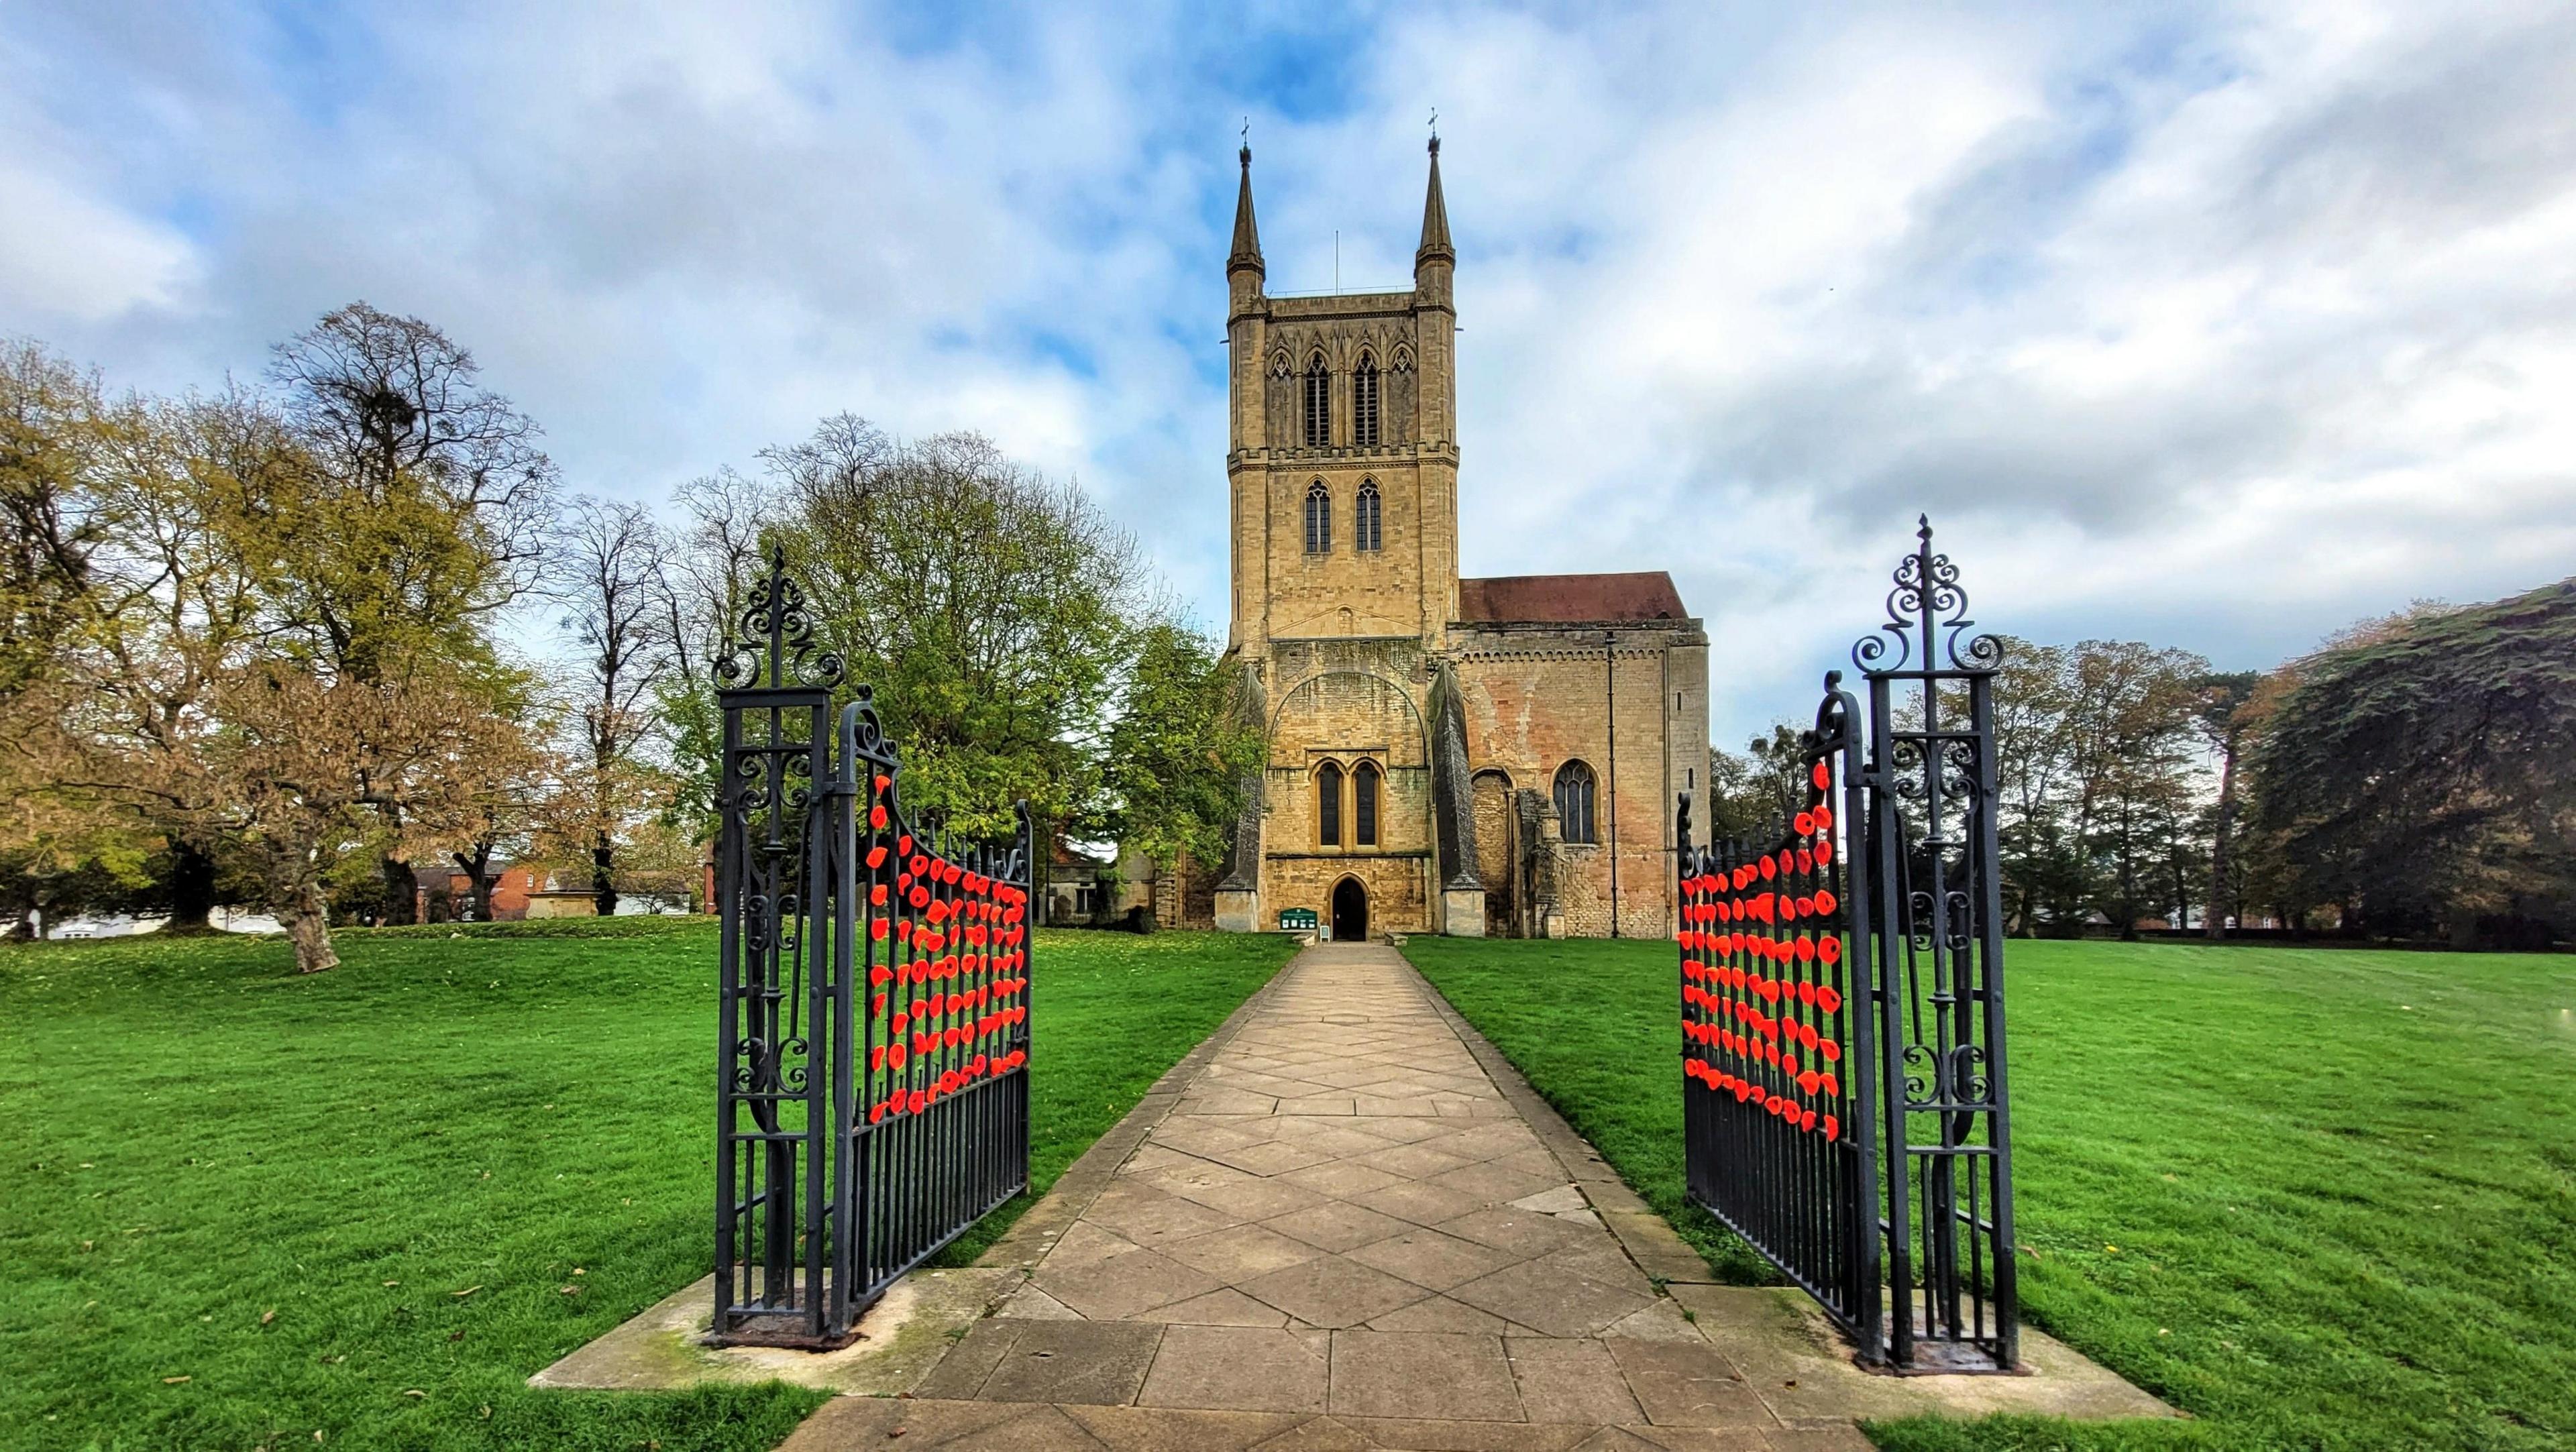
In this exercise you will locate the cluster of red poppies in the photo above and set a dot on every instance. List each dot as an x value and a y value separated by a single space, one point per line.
912 1101
946 923
1753 1015
909 1035
1779 1106
1769 990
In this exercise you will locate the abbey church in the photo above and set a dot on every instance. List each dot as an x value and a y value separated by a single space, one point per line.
1466 756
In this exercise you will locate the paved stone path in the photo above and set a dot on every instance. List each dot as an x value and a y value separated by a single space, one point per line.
1342 1235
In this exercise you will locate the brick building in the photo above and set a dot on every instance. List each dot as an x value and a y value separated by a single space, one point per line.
1469 756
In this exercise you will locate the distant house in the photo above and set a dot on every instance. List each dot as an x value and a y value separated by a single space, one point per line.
1078 885
519 891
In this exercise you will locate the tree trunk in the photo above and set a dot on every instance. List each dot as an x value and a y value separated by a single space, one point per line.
477 868
192 889
603 879
402 891
308 927
2216 925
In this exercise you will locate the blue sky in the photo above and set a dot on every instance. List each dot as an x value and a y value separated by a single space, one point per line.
2217 326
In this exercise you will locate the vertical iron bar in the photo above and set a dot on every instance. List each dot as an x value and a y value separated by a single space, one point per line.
1859 921
2007 1278
728 992
1889 933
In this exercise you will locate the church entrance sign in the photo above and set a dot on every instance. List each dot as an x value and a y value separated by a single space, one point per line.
873 986
1844 1101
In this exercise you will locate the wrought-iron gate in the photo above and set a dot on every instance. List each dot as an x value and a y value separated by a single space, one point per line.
1844 1100
873 991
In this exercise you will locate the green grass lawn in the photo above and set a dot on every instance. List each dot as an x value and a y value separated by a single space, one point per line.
370 1203
2315 1198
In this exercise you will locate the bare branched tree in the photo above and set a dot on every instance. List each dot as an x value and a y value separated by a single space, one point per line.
380 399
611 581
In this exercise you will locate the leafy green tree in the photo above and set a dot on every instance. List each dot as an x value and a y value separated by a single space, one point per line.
2413 774
2226 721
2101 783
1750 798
57 432
989 607
1178 753
453 498
54 425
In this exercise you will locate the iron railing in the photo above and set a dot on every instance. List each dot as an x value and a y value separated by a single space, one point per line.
1844 1094
873 989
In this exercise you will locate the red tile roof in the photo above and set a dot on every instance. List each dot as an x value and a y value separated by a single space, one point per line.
1570 599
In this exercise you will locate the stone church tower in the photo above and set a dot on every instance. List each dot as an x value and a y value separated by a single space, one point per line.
1446 755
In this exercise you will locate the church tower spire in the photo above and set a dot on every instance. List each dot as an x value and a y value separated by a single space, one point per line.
1247 235
1435 218
1434 265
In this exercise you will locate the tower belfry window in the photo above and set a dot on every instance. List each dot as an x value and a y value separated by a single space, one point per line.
1364 411
1319 404
1319 519
1365 529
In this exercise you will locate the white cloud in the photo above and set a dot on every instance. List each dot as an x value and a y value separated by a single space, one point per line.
2218 326
69 257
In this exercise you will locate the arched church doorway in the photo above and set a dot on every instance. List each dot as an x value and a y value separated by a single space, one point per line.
1350 911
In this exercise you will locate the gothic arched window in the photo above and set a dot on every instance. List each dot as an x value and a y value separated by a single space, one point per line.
1319 404
1364 405
1319 519
1364 804
1328 805
1574 790
1365 531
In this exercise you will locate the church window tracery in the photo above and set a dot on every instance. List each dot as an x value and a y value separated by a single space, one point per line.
1364 409
1367 534
1574 802
1319 403
1364 782
1319 519
1328 805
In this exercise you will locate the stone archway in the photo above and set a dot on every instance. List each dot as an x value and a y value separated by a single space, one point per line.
1350 911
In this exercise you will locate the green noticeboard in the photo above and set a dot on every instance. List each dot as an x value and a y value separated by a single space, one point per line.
1297 920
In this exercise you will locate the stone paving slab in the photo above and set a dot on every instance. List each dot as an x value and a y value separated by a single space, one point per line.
906 1425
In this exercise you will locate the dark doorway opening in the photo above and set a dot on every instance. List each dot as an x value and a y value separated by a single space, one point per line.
1350 911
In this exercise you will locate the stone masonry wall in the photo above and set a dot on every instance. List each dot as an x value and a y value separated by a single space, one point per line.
1539 697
